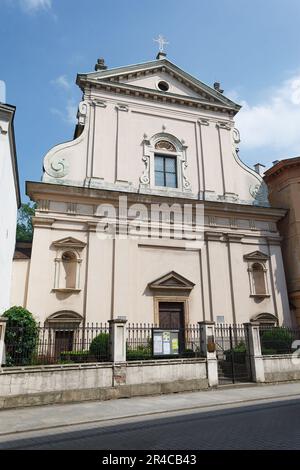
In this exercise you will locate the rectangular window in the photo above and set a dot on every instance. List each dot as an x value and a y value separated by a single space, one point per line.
165 171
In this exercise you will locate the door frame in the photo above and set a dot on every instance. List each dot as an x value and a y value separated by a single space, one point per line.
171 298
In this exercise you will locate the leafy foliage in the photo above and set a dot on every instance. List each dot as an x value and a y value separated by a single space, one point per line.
276 341
238 353
139 353
24 223
21 336
99 347
74 356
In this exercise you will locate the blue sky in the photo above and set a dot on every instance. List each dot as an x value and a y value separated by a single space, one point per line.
252 48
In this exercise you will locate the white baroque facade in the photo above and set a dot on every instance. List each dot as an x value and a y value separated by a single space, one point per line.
10 201
151 134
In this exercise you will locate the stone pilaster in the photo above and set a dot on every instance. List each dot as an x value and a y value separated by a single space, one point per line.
117 335
208 349
3 321
256 359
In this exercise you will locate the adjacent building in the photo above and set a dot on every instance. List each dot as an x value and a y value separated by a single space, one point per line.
283 180
10 201
149 213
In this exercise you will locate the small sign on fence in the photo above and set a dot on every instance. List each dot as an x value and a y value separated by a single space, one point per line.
165 342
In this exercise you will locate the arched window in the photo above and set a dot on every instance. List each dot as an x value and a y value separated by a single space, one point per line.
165 159
69 263
258 279
258 273
165 162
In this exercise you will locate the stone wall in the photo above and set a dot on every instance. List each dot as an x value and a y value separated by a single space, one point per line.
281 368
29 386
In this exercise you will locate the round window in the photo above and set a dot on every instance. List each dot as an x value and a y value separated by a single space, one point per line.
163 86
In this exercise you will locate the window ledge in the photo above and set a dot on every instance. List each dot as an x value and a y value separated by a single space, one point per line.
260 296
67 290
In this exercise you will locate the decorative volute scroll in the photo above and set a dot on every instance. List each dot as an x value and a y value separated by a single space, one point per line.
56 164
82 112
145 178
259 192
257 187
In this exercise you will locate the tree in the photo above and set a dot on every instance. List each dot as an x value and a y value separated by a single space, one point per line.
21 336
24 223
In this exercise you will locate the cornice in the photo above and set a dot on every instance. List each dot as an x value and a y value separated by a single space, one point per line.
164 65
43 190
155 95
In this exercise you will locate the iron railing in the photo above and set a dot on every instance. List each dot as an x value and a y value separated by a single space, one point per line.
56 344
139 341
232 351
279 339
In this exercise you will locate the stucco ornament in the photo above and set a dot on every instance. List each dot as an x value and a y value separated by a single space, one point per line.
145 178
82 112
56 162
236 136
56 166
259 192
186 183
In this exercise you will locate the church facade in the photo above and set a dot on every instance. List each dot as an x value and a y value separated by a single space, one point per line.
149 213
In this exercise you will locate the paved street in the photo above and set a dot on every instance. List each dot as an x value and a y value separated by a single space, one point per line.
265 426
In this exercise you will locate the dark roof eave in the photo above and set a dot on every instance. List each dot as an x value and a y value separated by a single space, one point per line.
12 109
280 166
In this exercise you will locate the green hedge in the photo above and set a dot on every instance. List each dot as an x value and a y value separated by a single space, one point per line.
21 337
75 356
276 341
99 347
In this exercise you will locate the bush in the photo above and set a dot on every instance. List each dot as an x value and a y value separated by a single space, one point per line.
238 352
279 340
99 347
139 353
21 336
74 356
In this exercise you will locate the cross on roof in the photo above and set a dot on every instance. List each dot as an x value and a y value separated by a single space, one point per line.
161 41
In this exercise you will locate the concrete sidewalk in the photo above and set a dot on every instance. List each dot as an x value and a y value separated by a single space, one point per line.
51 417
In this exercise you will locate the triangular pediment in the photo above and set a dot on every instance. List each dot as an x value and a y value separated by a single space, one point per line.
146 76
69 242
256 255
172 280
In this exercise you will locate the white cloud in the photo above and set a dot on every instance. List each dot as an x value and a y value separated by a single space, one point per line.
35 5
2 92
62 82
68 115
274 123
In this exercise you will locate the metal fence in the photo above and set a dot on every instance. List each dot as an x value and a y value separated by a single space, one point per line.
67 344
232 352
279 339
140 337
59 344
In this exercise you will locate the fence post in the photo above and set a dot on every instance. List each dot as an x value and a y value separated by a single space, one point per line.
117 339
3 321
256 359
208 349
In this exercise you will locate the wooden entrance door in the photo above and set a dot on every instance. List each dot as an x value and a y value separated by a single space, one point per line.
63 341
171 317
